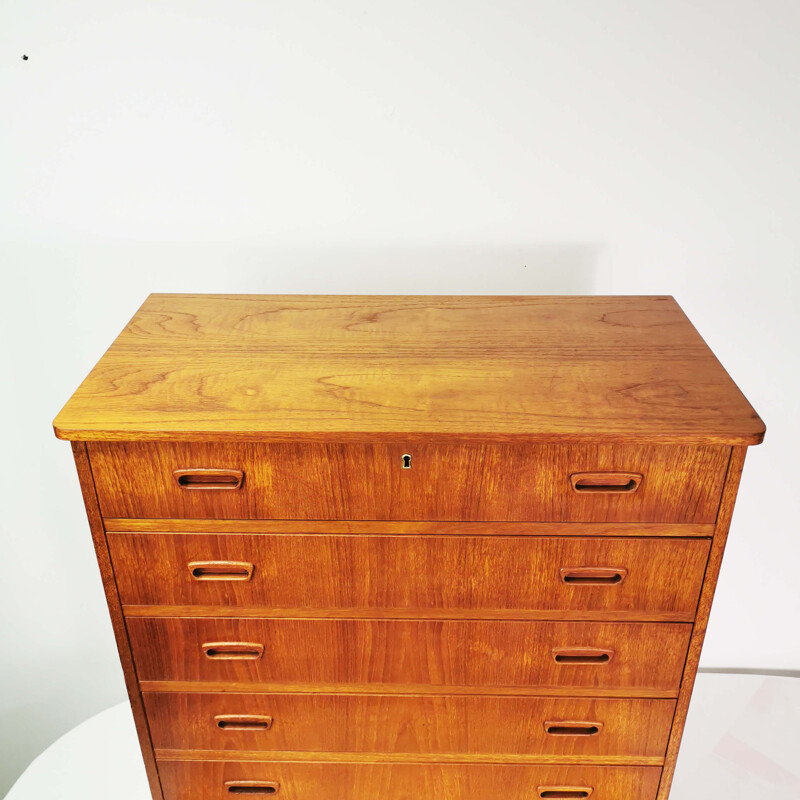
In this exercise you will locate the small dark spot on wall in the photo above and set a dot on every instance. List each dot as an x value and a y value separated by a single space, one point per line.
24 58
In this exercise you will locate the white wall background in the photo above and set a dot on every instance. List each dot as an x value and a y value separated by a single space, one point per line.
409 147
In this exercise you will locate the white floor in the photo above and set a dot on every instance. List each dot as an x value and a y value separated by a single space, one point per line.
742 742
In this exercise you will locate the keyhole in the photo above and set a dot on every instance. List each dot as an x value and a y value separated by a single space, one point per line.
406 461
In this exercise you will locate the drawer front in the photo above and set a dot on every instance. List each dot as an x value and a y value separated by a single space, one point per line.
361 652
466 725
472 482
224 780
409 575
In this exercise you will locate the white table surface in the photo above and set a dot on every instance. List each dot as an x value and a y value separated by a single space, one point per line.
742 742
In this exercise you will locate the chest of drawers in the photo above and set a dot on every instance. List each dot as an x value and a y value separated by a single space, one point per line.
409 547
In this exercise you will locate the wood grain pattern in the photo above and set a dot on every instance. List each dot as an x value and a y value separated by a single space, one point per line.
218 367
117 619
416 726
417 689
512 614
704 609
414 574
474 653
508 614
187 780
321 757
406 758
406 528
447 482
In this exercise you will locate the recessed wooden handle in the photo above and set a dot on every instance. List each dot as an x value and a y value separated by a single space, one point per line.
593 576
582 655
252 787
243 722
562 728
221 570
209 478
605 482
565 792
233 651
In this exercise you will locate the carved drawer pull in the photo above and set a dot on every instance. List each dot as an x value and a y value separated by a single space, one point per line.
252 787
562 728
221 570
565 792
233 651
209 478
593 576
605 482
582 655
243 722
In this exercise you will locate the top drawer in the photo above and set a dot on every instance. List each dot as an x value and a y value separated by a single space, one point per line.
448 482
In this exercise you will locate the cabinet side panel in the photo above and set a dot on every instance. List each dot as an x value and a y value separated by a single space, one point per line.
115 610
724 515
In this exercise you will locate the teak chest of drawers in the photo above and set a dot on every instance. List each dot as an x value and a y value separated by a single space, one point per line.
383 548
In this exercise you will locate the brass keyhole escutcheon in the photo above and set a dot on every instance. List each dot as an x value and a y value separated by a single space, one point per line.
406 461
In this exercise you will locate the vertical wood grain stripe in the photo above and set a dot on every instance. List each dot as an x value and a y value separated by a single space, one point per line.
117 619
724 515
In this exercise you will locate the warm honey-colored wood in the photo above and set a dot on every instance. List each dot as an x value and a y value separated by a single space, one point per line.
407 758
232 651
242 722
217 367
468 726
593 576
205 479
285 687
606 482
413 574
216 570
587 656
447 482
191 780
444 653
409 528
394 547
398 613
115 610
704 608
258 787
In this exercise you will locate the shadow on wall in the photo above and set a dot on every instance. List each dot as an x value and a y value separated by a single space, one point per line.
122 274
462 269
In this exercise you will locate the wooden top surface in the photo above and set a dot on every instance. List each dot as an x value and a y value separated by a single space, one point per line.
349 368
